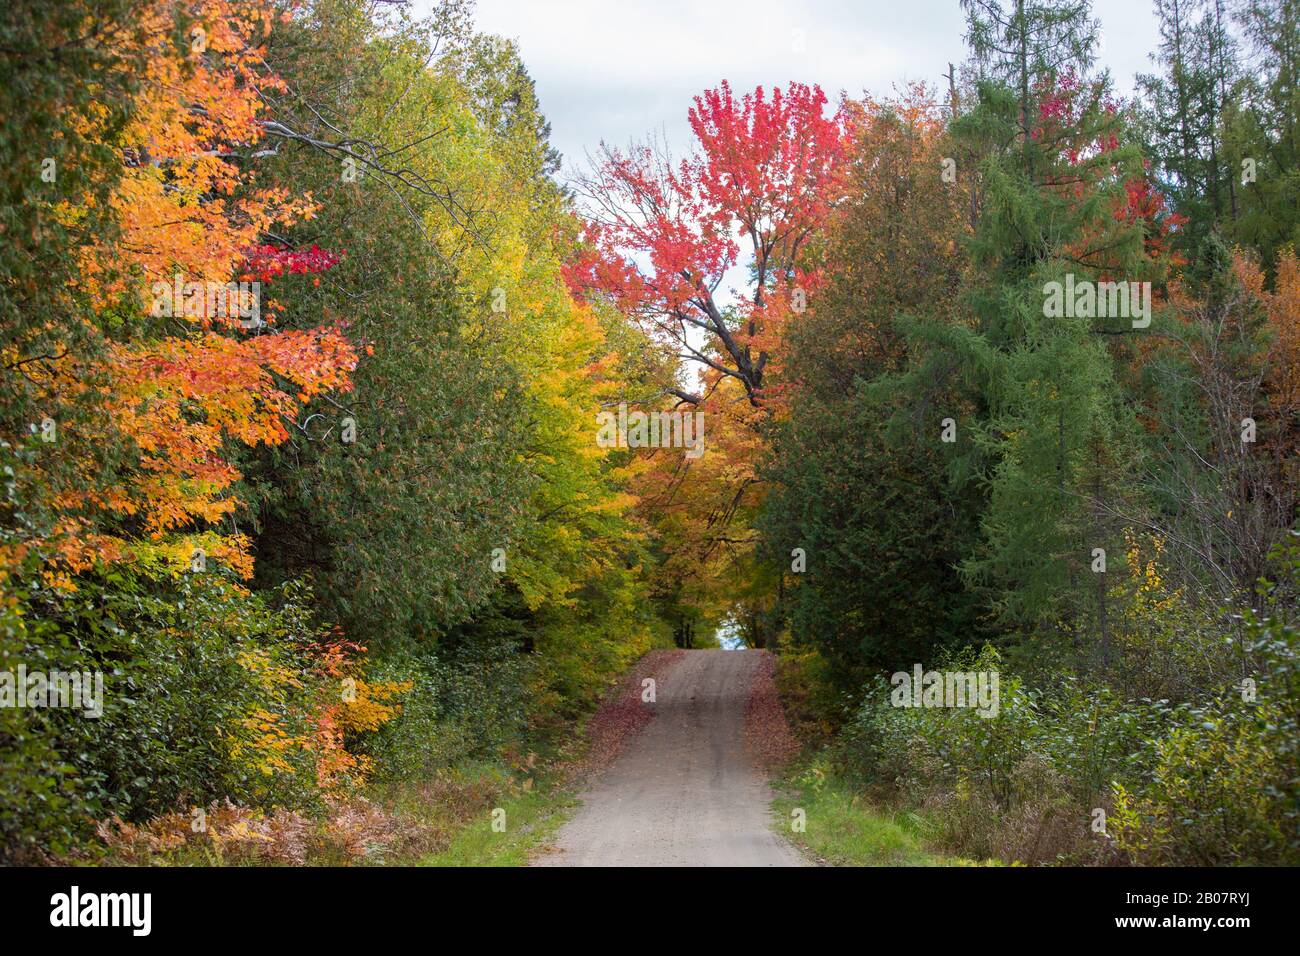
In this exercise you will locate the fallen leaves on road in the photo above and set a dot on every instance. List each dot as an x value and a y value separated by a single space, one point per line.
768 737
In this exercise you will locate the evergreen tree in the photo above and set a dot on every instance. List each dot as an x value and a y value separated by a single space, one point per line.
870 512
1264 131
1047 436
1183 109
1026 40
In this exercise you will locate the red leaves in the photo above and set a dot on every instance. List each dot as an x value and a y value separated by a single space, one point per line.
657 214
766 172
598 267
1144 203
267 262
1063 102
771 164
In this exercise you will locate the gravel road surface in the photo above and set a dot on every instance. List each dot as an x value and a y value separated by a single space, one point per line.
684 792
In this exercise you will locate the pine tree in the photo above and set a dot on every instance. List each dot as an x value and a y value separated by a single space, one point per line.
1264 131
1184 105
1028 40
1047 436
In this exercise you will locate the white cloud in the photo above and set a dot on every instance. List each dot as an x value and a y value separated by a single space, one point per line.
617 69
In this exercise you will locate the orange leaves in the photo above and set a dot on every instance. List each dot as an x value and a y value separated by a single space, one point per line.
180 400
184 204
1283 306
360 707
190 216
1234 352
316 361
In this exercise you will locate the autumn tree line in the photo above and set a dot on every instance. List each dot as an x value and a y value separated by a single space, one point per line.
356 538
334 549
928 457
1108 517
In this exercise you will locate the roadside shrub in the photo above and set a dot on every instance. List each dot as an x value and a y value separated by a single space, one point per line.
460 708
1019 786
1225 783
813 705
1213 798
1042 826
1091 735
912 750
1211 783
209 693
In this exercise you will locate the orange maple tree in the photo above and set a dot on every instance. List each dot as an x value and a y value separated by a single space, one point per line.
188 210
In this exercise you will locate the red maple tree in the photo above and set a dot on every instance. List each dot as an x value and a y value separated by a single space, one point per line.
662 235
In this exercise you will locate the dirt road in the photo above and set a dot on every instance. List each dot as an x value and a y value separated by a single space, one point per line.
684 792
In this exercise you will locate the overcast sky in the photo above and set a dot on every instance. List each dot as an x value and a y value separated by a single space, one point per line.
617 69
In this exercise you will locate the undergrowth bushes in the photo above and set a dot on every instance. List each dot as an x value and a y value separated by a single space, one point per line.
210 692
221 712
1074 772
457 710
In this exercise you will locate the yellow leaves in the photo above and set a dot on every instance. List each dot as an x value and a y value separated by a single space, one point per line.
1144 572
272 676
373 705
58 580
264 744
191 553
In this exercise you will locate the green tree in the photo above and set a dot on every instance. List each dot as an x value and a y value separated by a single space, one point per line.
1265 128
879 532
1048 436
1183 108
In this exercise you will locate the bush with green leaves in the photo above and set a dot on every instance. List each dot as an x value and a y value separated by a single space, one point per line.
1224 786
464 704
913 750
1220 793
1215 782
195 672
1039 766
